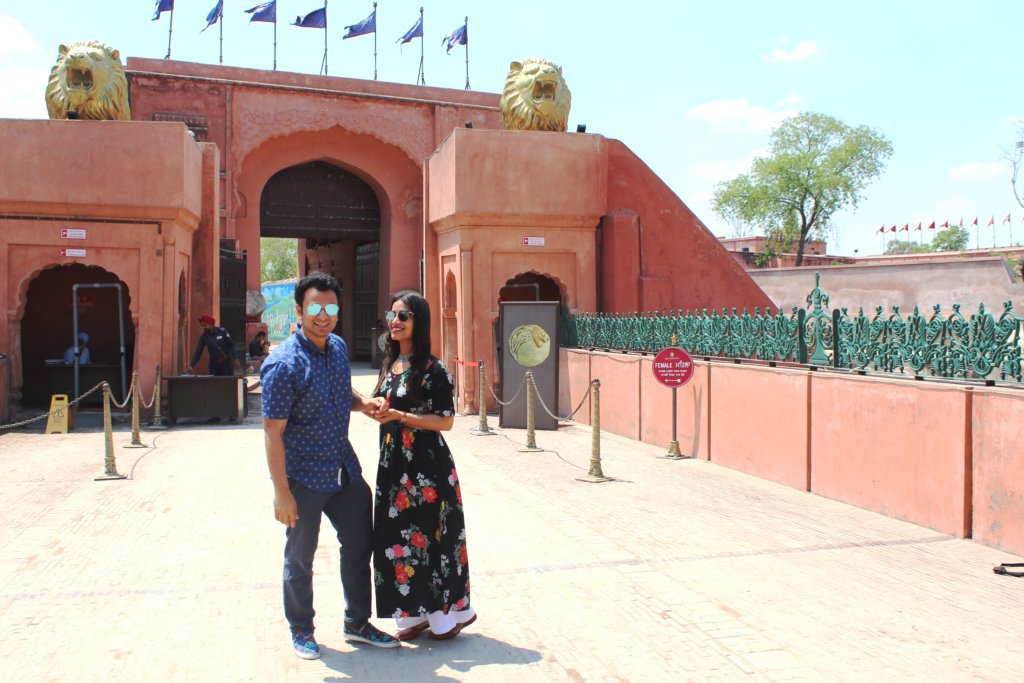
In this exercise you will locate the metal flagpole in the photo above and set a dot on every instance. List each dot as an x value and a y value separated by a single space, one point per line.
275 38
221 20
422 78
466 27
170 30
325 38
374 41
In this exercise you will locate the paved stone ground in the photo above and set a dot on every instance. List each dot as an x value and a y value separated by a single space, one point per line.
677 570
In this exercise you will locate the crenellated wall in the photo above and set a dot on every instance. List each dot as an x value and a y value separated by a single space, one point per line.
939 454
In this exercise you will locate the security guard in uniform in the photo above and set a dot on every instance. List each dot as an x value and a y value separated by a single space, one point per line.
216 340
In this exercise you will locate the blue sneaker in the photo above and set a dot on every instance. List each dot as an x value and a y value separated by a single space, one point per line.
305 645
371 635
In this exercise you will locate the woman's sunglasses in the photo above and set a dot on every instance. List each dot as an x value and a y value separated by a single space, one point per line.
403 316
314 309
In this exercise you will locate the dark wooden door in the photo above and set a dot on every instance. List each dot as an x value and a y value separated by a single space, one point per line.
366 313
232 294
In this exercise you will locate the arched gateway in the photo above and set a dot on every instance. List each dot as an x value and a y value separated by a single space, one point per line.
336 217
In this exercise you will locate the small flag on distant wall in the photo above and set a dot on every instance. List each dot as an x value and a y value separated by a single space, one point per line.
932 226
315 19
892 229
992 220
975 221
215 15
1007 219
880 230
415 32
266 11
459 36
367 25
905 228
163 6
945 224
918 228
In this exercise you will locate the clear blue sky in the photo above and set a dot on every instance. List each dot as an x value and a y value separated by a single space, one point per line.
692 88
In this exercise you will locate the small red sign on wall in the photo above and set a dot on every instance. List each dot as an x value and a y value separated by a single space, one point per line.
84 301
673 367
533 241
73 253
73 233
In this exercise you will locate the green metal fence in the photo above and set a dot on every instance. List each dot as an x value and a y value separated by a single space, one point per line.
981 347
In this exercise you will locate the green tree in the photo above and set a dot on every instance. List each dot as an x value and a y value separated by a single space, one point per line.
953 238
817 166
906 247
278 259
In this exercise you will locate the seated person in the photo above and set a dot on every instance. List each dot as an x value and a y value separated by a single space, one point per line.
259 347
80 349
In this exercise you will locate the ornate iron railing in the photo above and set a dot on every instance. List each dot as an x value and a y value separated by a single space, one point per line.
978 347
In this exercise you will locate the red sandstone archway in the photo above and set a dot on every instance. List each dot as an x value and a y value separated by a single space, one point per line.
396 180
46 330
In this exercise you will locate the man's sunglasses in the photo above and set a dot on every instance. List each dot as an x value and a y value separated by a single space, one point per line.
403 316
314 309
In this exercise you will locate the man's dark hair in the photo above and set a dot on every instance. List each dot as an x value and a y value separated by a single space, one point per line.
261 333
321 282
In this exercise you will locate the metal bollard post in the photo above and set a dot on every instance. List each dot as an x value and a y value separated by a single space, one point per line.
109 465
531 435
482 428
595 475
136 441
158 419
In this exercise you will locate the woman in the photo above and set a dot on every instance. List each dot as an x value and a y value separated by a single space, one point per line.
421 572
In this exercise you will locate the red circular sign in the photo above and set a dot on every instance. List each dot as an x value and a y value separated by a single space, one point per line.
673 367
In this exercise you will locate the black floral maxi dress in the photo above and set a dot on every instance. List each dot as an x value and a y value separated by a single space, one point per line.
419 556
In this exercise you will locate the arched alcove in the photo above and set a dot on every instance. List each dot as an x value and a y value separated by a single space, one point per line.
47 329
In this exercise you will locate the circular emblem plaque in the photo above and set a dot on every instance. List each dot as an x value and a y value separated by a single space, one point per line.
529 345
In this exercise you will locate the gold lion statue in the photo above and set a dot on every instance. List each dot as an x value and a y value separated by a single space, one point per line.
88 82
535 97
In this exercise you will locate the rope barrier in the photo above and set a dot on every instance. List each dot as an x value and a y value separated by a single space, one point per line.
491 387
570 415
482 429
109 464
531 417
55 412
124 404
136 441
158 420
595 475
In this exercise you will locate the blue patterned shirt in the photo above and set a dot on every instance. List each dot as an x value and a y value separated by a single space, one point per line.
312 389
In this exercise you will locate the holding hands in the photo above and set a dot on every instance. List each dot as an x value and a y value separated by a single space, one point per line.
379 409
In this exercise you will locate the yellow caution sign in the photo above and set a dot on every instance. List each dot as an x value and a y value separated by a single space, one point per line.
60 420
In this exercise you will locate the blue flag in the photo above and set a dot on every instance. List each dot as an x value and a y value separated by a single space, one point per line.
266 11
459 36
367 25
415 32
215 15
315 19
163 6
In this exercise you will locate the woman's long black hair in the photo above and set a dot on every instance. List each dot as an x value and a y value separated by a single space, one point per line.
420 343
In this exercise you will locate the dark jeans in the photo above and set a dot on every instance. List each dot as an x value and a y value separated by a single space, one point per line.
223 369
350 512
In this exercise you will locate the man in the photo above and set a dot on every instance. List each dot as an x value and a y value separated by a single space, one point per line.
259 347
80 349
307 402
217 340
